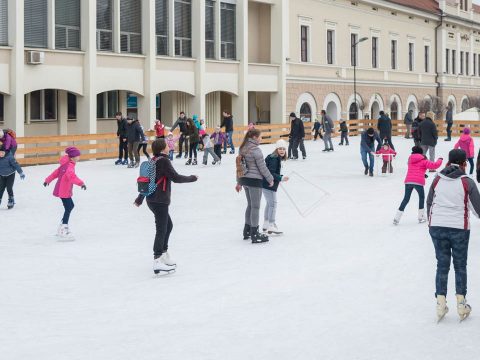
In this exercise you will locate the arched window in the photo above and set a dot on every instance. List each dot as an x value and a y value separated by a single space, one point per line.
465 104
353 112
394 111
306 112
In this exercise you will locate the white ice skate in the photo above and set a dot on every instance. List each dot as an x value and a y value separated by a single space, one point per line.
463 308
64 233
398 216
266 226
160 268
167 260
273 230
421 216
442 308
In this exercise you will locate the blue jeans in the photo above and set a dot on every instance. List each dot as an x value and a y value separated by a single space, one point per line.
448 243
228 140
364 154
68 205
408 192
170 154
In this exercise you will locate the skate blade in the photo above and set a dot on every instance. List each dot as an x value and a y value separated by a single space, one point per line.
464 317
161 273
440 318
62 239
275 233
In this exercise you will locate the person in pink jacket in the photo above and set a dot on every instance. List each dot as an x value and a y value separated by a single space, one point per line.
466 143
418 165
66 178
387 155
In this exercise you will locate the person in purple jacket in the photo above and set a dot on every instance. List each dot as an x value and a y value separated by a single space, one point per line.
218 138
9 142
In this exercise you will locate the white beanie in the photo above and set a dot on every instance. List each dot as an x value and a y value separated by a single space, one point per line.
281 144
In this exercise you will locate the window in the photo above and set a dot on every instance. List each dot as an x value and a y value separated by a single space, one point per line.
183 28
427 58
43 104
210 29
1 108
411 58
447 61
67 24
104 25
394 54
467 63
454 63
464 5
131 26
374 52
228 44
304 43
474 64
353 49
72 106
461 62
353 112
330 46
36 23
107 104
161 26
306 112
3 22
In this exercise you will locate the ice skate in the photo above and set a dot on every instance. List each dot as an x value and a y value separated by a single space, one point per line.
131 165
118 162
125 162
65 234
219 162
398 216
232 151
266 226
205 163
194 162
442 308
273 230
421 216
178 156
160 268
189 162
167 260
366 171
10 203
463 308
257 238
136 164
246 232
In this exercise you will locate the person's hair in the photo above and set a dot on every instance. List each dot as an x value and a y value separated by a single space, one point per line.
421 112
417 150
324 112
190 122
118 113
252 133
182 112
370 131
158 146
226 112
431 115
382 112
284 157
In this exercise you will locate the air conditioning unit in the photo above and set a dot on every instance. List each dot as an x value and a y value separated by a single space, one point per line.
35 57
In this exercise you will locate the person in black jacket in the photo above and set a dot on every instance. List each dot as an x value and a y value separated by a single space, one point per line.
344 132
182 125
449 120
193 140
385 128
274 165
122 139
228 124
159 202
297 135
316 128
416 124
429 136
134 137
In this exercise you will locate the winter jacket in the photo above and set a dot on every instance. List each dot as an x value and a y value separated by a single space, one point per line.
171 142
227 123
166 174
192 134
297 130
256 168
218 138
182 125
449 117
466 143
388 154
274 165
367 143
418 165
384 126
408 119
207 141
159 129
343 127
122 128
66 178
415 131
451 196
8 165
134 132
327 124
316 126
428 132
8 141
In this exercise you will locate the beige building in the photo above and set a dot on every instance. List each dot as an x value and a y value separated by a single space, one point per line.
66 66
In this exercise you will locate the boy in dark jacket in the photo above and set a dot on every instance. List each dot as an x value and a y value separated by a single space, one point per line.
428 135
8 166
228 124
367 149
297 135
316 129
182 125
344 132
122 139
134 137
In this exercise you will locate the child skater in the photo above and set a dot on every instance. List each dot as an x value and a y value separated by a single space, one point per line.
387 155
418 164
208 149
66 178
159 202
8 166
143 144
218 138
344 132
171 141
467 144
274 165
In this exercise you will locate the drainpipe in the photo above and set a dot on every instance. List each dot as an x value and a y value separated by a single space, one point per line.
437 75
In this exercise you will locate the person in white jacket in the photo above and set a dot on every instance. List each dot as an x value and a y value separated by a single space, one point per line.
452 196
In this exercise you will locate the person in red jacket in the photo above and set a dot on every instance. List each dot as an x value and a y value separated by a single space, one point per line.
159 129
387 155
467 144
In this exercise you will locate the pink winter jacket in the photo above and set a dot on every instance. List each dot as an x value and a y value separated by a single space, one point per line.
466 143
66 178
417 167
387 155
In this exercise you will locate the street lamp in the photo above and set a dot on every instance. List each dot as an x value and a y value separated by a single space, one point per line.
354 49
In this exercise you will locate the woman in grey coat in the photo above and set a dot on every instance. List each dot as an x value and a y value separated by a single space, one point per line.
254 171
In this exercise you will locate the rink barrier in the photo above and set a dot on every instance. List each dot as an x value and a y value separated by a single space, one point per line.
40 150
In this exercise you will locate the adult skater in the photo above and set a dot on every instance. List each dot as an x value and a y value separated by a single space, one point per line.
228 124
428 136
328 129
181 123
408 121
449 121
385 128
451 196
134 138
122 139
193 140
8 167
367 149
297 135
251 170
415 128
415 180
158 203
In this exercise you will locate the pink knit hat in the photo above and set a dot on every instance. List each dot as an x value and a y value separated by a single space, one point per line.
72 151
466 131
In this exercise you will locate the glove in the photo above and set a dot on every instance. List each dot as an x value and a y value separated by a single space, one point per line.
45 184
22 176
84 187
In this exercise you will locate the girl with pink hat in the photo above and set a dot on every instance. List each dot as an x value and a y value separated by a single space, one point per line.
466 143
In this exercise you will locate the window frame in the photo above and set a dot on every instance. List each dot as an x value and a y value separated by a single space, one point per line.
43 106
305 42
231 7
330 42
182 39
461 63
354 36
447 62
375 42
394 54
67 29
426 49
411 56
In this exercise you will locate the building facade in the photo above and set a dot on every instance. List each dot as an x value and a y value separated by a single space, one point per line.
66 66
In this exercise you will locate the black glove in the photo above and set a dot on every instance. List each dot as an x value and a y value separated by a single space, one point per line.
45 184
84 187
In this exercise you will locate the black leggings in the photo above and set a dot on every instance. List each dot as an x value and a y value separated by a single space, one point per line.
144 146
68 205
164 226
470 160
408 192
7 182
193 148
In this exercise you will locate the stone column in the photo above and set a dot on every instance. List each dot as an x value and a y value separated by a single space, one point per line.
240 102
278 44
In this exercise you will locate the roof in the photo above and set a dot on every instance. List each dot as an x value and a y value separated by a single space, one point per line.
424 5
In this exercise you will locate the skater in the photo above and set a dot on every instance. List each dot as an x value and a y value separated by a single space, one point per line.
8 138
408 121
122 139
344 132
387 156
8 167
182 125
467 144
274 165
251 170
159 129
415 180
297 136
449 121
218 138
451 196
143 144
134 137
367 149
428 135
202 130
66 178
158 203
316 129
193 139
171 141
417 139
208 149
385 128
328 129
228 124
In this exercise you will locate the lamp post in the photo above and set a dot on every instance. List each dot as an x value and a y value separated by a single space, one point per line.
354 49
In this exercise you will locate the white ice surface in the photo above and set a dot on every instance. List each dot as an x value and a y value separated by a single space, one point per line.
342 283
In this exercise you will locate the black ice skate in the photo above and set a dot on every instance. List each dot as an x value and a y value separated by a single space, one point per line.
257 238
246 232
11 203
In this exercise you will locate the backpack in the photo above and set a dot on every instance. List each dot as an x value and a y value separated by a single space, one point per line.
241 166
10 132
146 180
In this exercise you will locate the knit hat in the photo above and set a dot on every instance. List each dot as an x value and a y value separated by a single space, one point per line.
170 133
466 131
195 117
417 150
293 115
457 156
281 144
72 151
370 131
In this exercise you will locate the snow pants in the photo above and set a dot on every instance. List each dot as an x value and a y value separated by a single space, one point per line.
68 205
271 207
254 197
6 182
448 243
163 225
408 193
